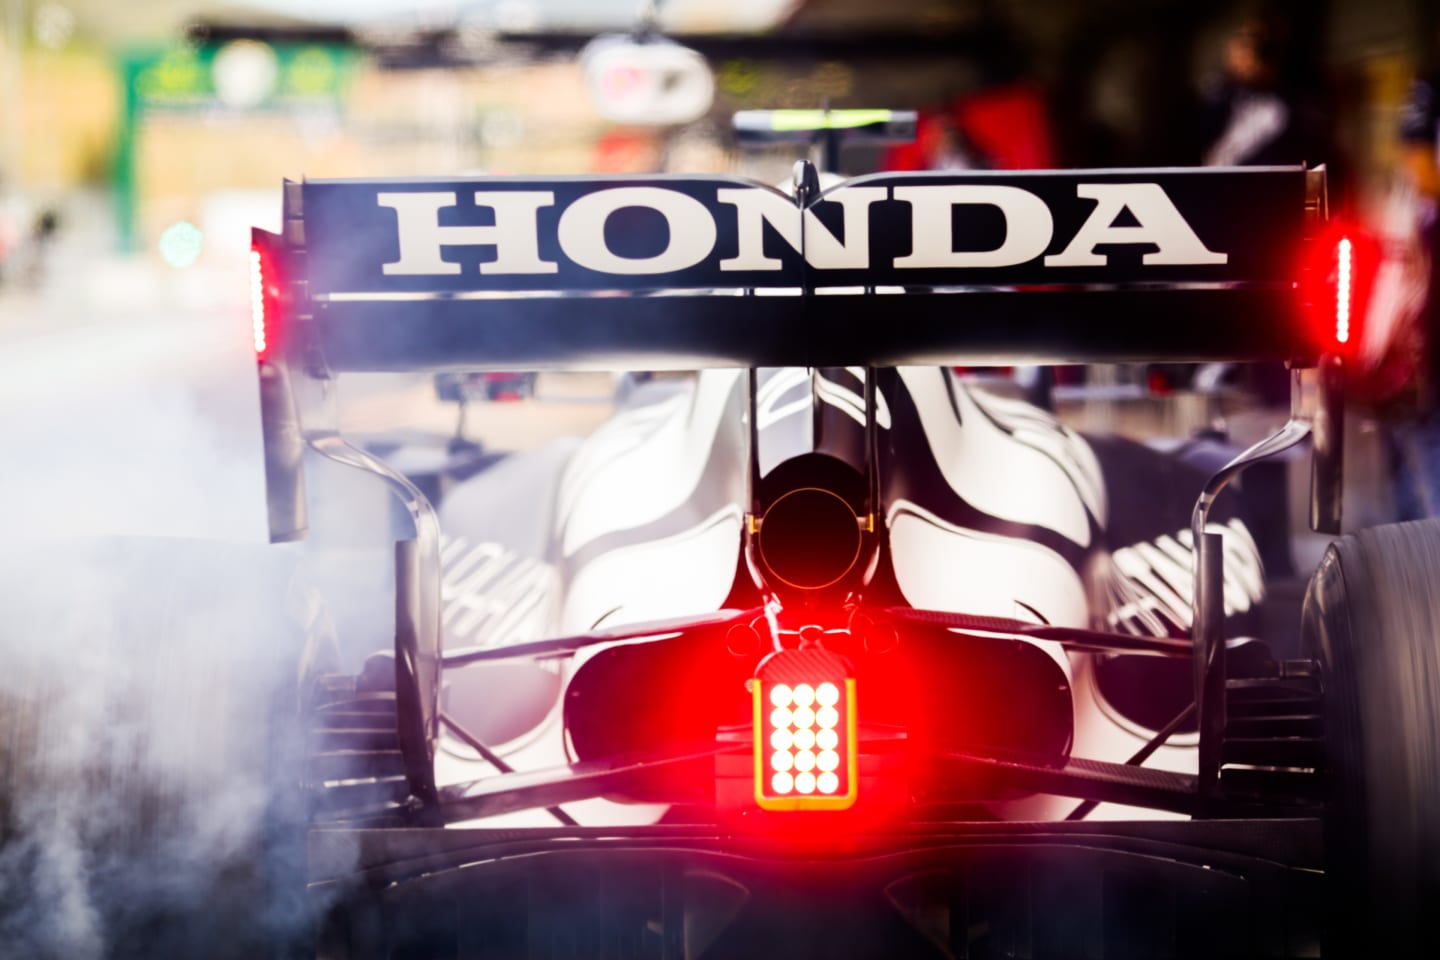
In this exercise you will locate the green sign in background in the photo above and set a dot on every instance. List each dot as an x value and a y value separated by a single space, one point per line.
183 78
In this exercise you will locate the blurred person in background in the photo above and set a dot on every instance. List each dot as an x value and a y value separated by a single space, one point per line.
1400 349
1264 108
42 237
25 249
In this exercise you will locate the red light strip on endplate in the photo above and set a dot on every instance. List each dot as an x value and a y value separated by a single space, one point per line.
258 304
1344 288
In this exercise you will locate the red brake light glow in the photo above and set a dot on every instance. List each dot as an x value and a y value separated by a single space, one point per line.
805 756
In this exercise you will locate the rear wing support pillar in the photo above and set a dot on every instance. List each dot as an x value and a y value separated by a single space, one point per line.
1326 427
1327 466
1209 653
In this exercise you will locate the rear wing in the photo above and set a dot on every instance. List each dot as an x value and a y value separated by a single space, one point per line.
678 272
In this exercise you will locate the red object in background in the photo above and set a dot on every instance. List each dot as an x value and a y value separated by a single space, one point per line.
507 387
1001 128
990 371
1009 125
625 151
919 155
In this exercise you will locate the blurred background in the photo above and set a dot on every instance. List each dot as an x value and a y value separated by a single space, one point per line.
136 140
140 141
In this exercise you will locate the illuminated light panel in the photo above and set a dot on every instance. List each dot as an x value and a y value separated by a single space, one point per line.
1344 257
805 731
257 301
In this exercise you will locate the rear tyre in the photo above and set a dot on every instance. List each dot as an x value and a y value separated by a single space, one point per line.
1372 617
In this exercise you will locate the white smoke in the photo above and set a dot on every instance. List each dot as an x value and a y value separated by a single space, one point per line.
132 425
150 642
145 757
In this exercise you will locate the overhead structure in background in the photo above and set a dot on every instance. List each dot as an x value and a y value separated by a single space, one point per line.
827 129
647 80
290 69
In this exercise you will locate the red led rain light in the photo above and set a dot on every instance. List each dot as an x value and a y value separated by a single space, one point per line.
805 756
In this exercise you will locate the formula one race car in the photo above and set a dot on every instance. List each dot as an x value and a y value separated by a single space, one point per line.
824 651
